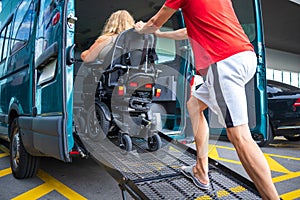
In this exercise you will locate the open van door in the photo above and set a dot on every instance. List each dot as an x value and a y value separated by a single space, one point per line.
49 130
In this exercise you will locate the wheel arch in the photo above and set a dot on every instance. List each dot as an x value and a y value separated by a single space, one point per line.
13 113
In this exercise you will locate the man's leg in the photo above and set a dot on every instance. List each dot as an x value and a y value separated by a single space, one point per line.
253 160
200 129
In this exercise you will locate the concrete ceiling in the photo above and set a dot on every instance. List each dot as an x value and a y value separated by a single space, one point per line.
281 25
281 19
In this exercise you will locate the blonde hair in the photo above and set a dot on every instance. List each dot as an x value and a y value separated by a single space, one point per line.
117 22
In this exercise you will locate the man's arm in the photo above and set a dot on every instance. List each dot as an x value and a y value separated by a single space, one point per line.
156 21
180 34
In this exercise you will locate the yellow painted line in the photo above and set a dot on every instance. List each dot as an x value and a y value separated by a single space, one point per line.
35 193
4 149
3 155
49 185
5 172
286 177
223 193
213 153
285 157
238 189
275 166
203 198
228 160
291 195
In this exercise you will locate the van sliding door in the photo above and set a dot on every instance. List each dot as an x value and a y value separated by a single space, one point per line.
52 123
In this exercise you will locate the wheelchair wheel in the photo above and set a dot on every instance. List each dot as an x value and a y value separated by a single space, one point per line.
97 124
154 142
125 142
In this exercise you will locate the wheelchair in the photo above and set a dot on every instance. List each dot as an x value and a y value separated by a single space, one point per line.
125 91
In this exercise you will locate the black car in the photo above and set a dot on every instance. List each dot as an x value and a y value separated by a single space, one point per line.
283 110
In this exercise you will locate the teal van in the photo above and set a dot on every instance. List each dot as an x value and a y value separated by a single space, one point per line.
40 46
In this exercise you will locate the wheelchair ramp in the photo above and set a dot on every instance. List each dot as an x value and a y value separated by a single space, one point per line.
156 175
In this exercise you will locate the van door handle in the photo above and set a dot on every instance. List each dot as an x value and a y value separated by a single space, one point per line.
47 56
70 55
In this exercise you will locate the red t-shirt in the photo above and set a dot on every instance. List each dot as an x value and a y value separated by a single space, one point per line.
213 29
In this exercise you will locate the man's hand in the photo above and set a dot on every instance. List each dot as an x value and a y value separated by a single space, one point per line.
139 26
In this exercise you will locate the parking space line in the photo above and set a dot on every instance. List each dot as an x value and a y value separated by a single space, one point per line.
4 149
3 155
5 172
213 153
50 184
36 192
285 177
275 166
291 195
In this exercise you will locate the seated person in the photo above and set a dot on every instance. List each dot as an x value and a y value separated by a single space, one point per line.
118 21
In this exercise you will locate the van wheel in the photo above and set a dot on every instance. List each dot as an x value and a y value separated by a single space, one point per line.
270 137
23 165
98 125
293 138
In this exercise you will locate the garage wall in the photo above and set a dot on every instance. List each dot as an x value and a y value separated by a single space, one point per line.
283 66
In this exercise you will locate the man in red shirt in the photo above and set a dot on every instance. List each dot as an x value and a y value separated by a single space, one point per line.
225 55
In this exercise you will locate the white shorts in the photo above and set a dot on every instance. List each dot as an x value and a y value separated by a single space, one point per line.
223 90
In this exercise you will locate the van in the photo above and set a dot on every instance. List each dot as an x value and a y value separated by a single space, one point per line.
40 66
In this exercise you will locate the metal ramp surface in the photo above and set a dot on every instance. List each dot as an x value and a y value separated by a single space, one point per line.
156 175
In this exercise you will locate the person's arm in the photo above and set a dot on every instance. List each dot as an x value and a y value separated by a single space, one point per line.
180 34
92 53
156 21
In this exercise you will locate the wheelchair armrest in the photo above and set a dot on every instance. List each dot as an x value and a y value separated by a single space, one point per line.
96 67
94 64
115 68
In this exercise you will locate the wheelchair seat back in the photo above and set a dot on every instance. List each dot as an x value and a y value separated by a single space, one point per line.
131 51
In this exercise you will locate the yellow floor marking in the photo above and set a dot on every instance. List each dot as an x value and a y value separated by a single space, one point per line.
203 198
213 152
291 195
49 185
223 193
285 157
238 189
275 166
35 193
4 149
3 155
286 177
5 172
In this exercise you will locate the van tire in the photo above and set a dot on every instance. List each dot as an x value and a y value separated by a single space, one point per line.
23 165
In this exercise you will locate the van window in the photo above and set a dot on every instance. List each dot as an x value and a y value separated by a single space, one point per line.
2 36
5 42
4 39
23 25
165 48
